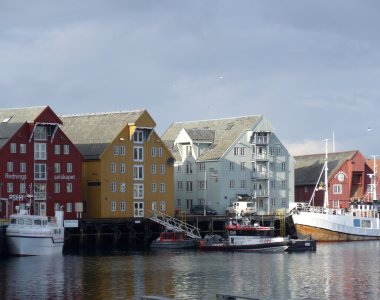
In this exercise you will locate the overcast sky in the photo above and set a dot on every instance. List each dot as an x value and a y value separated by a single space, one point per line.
312 68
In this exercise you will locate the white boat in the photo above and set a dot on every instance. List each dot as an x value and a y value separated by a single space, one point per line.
358 222
245 236
35 235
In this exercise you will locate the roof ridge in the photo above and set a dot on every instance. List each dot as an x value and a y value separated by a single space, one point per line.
101 113
220 119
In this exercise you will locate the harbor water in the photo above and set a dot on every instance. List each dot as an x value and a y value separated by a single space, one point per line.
335 271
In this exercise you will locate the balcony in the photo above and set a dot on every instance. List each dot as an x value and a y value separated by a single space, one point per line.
260 140
260 175
260 156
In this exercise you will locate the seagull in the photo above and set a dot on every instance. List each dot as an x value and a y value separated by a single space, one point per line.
369 129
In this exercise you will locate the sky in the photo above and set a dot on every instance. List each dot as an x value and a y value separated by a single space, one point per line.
312 68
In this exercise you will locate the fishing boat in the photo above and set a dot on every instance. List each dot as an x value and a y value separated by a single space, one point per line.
360 221
242 235
29 234
171 239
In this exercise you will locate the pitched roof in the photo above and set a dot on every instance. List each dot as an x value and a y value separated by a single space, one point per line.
92 133
307 168
11 120
221 133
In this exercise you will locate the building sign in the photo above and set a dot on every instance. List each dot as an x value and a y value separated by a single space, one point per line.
22 177
64 177
70 223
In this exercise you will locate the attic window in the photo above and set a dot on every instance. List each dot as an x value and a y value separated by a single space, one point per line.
229 126
6 120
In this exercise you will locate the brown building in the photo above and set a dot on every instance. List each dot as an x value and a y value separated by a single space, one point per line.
348 178
39 164
128 171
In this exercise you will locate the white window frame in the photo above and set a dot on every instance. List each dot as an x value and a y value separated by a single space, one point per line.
23 148
13 148
138 153
138 209
69 187
40 151
138 172
138 191
57 149
40 171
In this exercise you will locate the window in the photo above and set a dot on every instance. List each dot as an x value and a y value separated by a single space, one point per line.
243 184
162 169
9 187
122 187
40 171
138 153
180 185
283 184
69 167
272 152
13 148
283 166
138 136
22 148
273 202
115 150
40 151
57 168
179 203
154 169
189 169
113 186
272 166
162 187
231 166
179 169
123 206
9 166
69 187
273 184
122 168
57 187
337 189
138 191
163 206
113 205
279 151
153 152
138 210
22 187
113 168
232 184
242 166
69 207
122 150
154 205
159 152
57 206
201 167
189 186
202 185
66 149
39 191
57 149
154 187
40 133
23 167
138 172
242 151
236 151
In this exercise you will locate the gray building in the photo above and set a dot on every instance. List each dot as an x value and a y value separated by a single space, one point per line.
220 161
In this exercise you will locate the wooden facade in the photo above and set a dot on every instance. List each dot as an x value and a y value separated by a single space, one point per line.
39 164
128 170
348 178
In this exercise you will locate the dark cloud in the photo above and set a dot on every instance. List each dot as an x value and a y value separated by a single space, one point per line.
311 67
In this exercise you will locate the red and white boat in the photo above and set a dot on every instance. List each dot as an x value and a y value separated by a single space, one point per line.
174 240
242 235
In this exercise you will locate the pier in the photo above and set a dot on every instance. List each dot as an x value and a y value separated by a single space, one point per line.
132 233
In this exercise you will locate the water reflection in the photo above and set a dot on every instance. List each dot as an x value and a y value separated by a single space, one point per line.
334 271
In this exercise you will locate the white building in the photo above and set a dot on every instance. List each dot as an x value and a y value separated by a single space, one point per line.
220 161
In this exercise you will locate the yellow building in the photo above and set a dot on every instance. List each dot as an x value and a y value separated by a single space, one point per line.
128 170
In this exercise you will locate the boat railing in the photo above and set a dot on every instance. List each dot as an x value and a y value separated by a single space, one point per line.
355 212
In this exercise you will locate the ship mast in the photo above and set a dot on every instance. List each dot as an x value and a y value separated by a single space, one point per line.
374 183
326 198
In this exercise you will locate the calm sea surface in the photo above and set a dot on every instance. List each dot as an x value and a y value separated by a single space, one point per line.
334 271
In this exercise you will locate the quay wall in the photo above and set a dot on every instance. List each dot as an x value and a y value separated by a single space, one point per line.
137 234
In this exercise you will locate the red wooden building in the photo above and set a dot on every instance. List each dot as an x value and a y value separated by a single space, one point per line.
38 164
348 178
